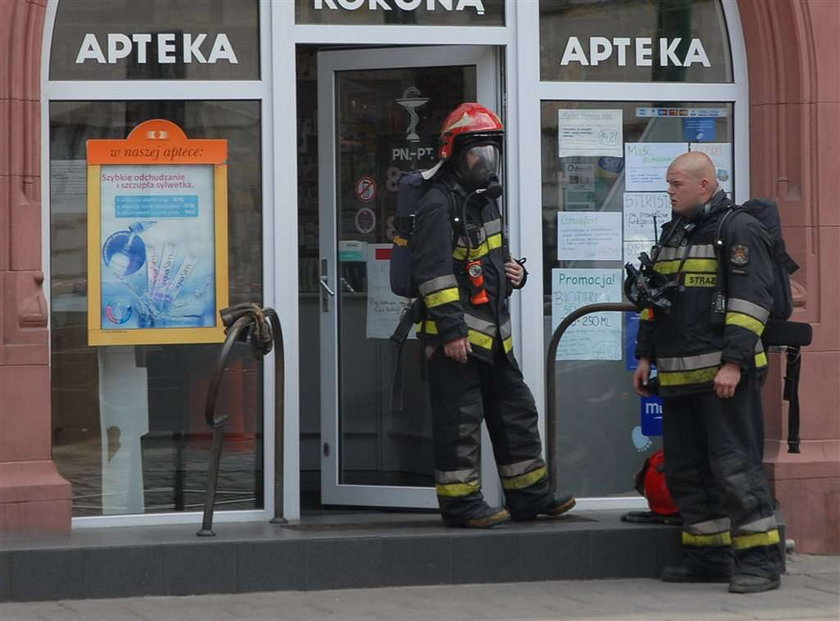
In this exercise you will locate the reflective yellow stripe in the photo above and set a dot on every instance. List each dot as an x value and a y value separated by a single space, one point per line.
399 241
457 489
680 378
508 344
760 360
429 327
646 315
492 242
706 266
481 340
524 480
741 542
718 539
442 297
744 321
700 280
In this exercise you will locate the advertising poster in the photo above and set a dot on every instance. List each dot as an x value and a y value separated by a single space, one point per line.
646 164
383 307
596 336
590 133
701 129
651 414
157 237
588 236
721 155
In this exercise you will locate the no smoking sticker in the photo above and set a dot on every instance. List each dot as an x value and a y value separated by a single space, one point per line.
366 189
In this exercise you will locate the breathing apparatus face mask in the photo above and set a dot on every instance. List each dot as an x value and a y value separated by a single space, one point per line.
478 168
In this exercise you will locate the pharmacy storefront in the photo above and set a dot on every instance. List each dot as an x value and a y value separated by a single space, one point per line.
201 154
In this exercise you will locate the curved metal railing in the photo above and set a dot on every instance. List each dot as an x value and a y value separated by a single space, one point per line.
551 376
261 328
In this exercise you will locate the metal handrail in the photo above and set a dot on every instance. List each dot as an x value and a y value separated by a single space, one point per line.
551 379
245 322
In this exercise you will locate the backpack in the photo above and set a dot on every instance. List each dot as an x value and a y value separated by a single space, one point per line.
411 188
778 331
765 211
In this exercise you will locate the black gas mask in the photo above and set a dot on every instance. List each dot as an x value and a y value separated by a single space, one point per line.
647 288
477 167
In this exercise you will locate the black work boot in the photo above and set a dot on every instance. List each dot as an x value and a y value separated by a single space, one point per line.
557 506
483 517
746 583
687 573
497 517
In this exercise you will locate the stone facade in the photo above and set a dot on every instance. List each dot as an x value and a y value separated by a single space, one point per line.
33 496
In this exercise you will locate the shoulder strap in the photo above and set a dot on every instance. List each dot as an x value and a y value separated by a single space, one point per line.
720 244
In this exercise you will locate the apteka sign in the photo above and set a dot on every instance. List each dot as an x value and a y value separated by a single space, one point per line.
192 48
403 5
641 51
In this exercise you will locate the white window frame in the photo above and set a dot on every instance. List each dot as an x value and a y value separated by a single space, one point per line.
196 90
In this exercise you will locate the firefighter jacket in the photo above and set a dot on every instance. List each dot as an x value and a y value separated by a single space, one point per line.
441 250
691 342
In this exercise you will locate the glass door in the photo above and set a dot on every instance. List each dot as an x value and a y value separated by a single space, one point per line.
379 115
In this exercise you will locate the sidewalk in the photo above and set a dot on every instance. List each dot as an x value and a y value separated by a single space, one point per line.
810 590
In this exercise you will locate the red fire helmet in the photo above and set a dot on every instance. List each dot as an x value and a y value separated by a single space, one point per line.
468 118
650 482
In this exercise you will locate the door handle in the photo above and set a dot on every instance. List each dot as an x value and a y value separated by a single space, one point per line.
326 290
323 282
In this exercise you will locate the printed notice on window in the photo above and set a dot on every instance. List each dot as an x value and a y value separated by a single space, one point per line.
596 336
721 155
590 133
644 213
588 236
646 164
383 307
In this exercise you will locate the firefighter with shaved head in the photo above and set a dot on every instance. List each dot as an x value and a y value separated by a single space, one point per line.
706 345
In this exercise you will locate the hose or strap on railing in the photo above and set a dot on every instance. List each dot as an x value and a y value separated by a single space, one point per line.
261 328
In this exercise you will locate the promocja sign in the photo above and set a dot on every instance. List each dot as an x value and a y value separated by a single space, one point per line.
640 51
168 48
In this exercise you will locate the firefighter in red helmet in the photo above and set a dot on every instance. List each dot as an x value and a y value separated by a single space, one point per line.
465 275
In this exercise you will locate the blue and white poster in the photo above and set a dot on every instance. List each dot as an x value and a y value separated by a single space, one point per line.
158 247
651 413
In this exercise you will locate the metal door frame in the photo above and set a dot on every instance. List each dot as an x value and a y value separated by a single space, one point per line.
489 93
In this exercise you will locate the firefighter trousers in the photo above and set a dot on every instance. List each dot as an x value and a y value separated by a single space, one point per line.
461 396
714 471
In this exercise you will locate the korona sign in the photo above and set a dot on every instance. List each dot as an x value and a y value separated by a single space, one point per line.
400 5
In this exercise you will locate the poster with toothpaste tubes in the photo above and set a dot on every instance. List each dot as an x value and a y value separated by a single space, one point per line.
157 247
157 237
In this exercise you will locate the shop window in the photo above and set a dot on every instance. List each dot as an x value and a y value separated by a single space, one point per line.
128 421
634 41
603 198
156 40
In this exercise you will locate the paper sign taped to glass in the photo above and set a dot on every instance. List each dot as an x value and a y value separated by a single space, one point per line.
157 237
